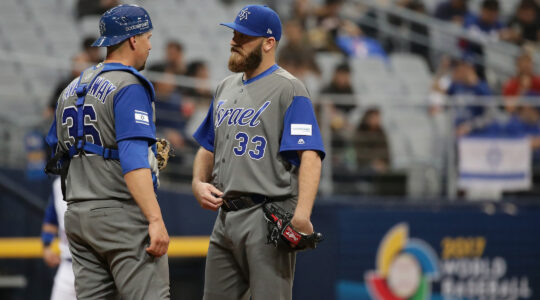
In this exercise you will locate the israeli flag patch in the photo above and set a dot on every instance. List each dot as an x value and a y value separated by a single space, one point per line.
301 129
141 117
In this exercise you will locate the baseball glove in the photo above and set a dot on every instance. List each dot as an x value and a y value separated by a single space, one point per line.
164 152
282 234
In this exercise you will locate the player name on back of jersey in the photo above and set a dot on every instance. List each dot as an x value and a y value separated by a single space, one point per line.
239 115
100 89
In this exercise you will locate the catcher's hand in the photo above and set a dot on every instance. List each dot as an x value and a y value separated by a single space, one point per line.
164 152
281 232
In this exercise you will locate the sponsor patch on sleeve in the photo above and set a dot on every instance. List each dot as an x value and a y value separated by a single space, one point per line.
141 117
301 129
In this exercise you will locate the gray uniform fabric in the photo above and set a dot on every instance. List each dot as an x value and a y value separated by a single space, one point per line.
106 230
240 263
249 119
107 241
256 109
94 177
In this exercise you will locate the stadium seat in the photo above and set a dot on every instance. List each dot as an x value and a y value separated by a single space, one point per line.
327 62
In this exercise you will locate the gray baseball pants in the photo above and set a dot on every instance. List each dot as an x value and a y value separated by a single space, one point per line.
107 239
241 264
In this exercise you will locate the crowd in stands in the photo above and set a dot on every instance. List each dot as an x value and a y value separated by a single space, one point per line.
312 28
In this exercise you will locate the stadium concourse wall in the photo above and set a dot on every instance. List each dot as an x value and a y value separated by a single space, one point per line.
451 250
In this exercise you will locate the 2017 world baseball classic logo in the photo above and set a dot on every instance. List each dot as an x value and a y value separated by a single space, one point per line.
405 267
440 266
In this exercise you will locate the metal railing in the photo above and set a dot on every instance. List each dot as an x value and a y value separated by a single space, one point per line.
421 146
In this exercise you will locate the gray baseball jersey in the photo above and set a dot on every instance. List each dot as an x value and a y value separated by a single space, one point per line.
254 129
117 106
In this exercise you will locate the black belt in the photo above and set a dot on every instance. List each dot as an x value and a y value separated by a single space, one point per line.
234 203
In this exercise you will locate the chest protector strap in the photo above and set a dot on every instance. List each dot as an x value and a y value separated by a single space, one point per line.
86 80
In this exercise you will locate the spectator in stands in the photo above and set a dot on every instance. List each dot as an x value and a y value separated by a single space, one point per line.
339 108
94 7
486 26
464 82
170 120
297 55
302 10
94 53
328 21
174 59
454 11
526 82
298 46
200 91
419 32
341 85
370 143
525 25
78 63
353 43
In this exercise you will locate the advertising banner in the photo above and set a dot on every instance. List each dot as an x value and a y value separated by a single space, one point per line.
439 254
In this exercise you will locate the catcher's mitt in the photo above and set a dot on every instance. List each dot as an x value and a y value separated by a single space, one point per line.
164 152
281 233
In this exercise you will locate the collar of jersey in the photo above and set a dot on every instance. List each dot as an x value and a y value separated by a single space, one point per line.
263 74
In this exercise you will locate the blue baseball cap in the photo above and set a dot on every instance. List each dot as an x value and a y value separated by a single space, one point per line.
257 20
122 22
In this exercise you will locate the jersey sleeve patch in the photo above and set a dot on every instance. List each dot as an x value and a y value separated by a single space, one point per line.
133 114
301 131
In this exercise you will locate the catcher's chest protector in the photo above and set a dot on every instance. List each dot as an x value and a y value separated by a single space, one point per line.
85 122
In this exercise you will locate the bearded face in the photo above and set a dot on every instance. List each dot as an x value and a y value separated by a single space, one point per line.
239 61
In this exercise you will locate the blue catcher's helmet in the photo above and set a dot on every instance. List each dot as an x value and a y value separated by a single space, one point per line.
122 22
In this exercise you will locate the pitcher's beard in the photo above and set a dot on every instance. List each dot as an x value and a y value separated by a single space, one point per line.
239 63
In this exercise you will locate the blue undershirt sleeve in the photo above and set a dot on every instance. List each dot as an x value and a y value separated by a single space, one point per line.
133 154
52 139
205 133
50 213
300 131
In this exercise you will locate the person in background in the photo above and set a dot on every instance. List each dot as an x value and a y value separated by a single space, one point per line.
299 47
464 82
342 103
370 143
174 59
328 21
93 53
201 90
454 11
53 226
486 27
353 43
341 85
170 120
525 81
525 25
78 63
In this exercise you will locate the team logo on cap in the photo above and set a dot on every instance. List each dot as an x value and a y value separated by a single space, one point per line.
101 27
243 14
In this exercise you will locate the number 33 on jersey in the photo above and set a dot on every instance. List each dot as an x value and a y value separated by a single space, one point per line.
255 128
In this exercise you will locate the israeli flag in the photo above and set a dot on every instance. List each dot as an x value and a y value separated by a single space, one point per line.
495 163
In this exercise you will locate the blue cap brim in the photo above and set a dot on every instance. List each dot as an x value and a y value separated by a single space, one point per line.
241 29
109 41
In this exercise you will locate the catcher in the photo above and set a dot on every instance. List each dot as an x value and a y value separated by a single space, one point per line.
104 141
